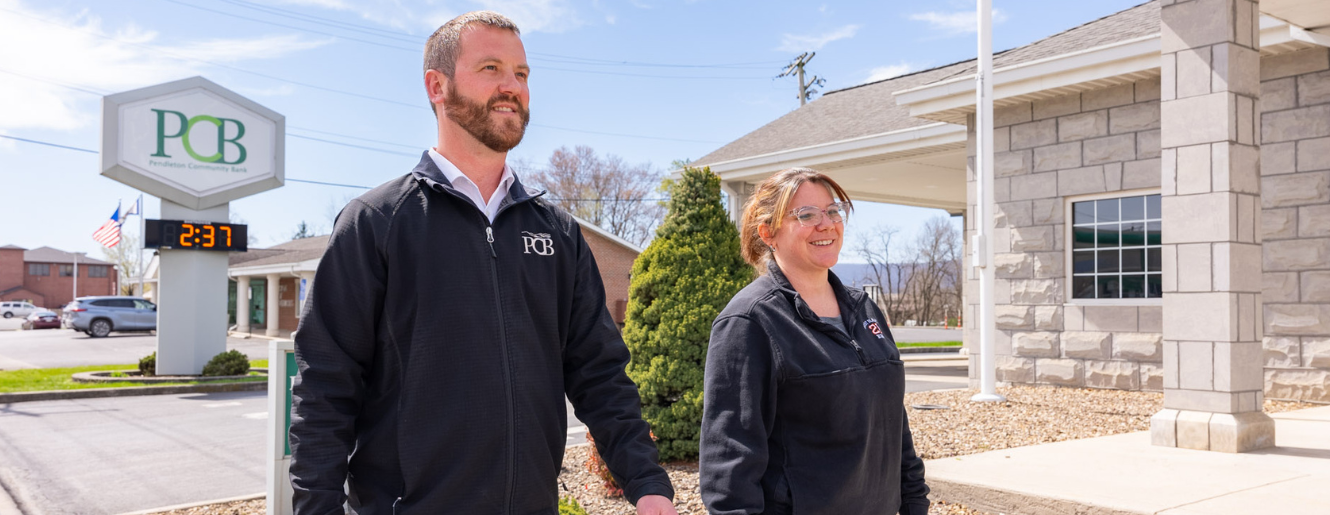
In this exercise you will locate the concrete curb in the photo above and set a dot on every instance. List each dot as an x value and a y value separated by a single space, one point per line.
249 497
997 500
130 391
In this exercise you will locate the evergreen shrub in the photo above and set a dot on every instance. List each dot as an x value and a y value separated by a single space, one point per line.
683 279
229 363
148 364
569 506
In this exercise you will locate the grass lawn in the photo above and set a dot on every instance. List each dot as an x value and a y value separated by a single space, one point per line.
928 344
43 379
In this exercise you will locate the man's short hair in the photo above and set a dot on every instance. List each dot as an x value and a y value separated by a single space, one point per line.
444 46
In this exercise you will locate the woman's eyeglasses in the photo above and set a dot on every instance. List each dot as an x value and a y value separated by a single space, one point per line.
810 216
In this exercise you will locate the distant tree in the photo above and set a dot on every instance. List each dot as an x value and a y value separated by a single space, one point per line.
679 164
303 231
921 280
683 279
127 258
605 191
878 251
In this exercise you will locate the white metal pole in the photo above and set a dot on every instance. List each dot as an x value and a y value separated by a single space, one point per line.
984 167
76 276
143 240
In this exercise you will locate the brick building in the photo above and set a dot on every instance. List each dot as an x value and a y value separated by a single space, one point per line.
1162 190
291 266
45 276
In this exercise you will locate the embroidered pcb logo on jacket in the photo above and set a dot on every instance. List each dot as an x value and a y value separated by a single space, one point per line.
871 325
538 243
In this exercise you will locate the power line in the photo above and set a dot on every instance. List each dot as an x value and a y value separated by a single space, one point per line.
372 149
289 179
49 144
411 38
322 88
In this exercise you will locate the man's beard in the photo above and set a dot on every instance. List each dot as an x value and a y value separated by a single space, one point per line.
477 119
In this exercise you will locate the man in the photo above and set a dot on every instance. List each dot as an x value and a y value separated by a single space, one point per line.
454 310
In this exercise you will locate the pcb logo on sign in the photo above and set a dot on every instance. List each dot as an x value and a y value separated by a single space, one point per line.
187 129
538 243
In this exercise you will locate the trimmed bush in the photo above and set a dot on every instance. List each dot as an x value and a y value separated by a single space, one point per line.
148 364
569 506
679 284
229 363
597 467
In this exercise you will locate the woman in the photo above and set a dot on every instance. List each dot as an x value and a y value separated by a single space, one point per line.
804 410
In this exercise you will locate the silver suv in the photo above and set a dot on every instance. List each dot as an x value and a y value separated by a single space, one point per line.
98 316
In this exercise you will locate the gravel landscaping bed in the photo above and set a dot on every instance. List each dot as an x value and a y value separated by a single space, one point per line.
1031 415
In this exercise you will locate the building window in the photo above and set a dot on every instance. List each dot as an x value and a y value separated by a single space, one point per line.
97 271
1115 248
39 269
66 270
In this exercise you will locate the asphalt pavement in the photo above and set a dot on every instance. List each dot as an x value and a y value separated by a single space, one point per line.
50 348
103 456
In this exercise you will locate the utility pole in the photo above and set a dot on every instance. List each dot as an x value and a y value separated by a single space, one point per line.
796 67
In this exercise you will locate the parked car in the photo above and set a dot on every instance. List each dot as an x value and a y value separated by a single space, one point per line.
16 308
44 319
98 316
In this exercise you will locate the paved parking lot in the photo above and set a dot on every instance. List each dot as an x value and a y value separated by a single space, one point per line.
48 348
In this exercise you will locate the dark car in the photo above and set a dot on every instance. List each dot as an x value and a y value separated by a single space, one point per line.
42 319
98 316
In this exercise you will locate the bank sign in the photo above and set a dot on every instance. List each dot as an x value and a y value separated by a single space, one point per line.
192 142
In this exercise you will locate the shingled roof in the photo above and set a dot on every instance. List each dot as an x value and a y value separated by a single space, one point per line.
869 109
50 255
294 251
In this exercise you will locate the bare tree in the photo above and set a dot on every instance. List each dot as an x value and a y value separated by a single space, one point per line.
877 250
127 259
921 279
606 191
934 270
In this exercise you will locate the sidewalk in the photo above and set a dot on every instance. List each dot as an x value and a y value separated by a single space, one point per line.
1124 474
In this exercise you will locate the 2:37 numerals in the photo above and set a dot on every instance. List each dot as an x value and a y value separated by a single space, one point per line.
207 235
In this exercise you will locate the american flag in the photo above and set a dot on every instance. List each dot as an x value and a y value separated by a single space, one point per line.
109 233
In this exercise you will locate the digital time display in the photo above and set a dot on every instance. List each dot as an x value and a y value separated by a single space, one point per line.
186 235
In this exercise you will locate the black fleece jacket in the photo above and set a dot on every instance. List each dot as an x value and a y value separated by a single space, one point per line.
800 417
436 351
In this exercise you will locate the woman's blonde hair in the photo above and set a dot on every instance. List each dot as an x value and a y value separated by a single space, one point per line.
769 204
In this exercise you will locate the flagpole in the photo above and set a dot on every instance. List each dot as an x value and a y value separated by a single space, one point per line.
143 240
983 257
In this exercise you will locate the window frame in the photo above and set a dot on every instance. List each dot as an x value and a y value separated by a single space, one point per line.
98 271
1068 220
63 268
46 265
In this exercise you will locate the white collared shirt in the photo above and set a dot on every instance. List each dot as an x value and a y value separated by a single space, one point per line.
465 186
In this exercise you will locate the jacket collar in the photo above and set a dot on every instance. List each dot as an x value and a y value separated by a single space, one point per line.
429 173
848 298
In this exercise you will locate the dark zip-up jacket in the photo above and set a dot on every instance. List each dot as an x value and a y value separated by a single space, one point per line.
801 417
436 351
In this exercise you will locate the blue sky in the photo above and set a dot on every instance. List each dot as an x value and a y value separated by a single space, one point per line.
648 80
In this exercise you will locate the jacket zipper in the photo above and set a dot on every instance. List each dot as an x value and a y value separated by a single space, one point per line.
860 351
503 339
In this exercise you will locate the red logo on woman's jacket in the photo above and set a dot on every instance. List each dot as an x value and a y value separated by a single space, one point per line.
871 325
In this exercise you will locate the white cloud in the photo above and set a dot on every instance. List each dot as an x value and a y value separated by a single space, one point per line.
610 19
74 49
957 22
889 71
797 43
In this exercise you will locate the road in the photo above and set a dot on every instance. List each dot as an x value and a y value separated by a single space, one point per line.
50 348
925 334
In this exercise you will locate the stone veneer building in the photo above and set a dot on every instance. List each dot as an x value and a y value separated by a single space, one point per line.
1162 180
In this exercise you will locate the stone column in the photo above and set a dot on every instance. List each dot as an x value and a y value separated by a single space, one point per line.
1212 328
274 304
242 303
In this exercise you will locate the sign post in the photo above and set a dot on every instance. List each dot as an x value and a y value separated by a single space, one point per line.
281 374
197 146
